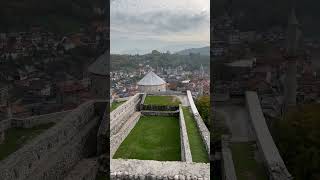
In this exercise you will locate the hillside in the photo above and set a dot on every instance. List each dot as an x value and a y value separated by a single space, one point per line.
204 51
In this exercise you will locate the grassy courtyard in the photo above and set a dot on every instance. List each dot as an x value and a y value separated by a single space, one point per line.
245 164
115 104
198 150
162 100
153 138
15 138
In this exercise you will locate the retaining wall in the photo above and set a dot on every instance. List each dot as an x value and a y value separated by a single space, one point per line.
120 115
185 146
144 107
117 139
161 113
143 98
148 169
205 134
54 153
229 172
37 120
167 93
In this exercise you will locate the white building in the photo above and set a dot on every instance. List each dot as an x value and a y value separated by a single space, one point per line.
152 83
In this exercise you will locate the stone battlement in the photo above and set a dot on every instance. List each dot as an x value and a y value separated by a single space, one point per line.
57 150
148 169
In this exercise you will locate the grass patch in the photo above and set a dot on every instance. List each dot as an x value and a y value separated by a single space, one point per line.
245 164
114 105
162 100
153 138
15 138
198 150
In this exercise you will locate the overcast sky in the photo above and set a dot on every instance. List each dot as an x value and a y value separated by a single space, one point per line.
163 25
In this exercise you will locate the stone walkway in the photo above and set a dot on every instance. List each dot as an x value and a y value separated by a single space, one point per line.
237 120
184 100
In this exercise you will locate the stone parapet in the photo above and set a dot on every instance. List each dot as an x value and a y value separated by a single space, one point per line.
229 172
119 116
204 132
150 107
117 139
56 150
272 159
161 113
185 146
148 169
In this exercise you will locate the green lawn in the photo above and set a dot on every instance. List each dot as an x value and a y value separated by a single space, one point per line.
198 150
114 105
153 138
15 138
245 164
162 100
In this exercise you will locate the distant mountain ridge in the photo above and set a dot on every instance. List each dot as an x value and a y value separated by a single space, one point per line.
205 51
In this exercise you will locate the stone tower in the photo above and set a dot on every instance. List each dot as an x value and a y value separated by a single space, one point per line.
99 75
293 39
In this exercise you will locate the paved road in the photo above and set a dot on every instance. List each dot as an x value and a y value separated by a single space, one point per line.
237 119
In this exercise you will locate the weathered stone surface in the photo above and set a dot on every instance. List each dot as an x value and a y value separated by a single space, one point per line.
165 169
204 132
160 113
119 116
273 160
117 139
158 108
57 150
227 161
85 169
185 146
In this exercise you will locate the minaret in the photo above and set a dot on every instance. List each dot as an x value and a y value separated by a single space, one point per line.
293 38
201 79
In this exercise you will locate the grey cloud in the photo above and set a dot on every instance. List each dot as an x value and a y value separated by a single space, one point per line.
163 21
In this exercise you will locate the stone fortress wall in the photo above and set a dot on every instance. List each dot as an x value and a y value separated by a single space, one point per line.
204 132
32 121
162 170
229 172
185 146
119 116
56 151
269 151
122 121
144 169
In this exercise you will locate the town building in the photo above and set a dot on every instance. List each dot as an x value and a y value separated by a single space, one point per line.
99 76
152 83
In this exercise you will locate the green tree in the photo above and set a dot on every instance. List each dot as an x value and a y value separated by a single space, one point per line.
298 138
203 106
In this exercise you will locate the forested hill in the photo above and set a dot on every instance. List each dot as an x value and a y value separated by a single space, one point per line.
56 15
157 59
205 51
262 14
